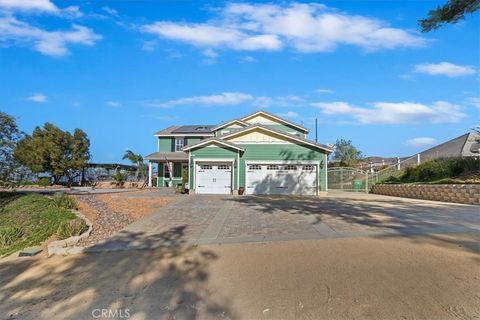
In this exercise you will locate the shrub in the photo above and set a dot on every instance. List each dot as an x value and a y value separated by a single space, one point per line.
44 182
9 235
441 169
62 201
75 227
120 178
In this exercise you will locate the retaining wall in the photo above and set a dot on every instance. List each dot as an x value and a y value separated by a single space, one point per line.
458 193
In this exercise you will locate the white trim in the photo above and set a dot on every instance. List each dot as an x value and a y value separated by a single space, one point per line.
213 160
238 170
193 146
150 174
263 142
283 161
189 182
226 124
277 133
297 162
305 130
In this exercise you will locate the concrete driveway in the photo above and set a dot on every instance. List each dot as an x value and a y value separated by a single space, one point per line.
203 219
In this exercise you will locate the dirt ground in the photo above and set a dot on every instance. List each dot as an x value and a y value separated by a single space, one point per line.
390 277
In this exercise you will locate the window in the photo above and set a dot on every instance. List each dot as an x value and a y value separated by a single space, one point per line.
206 167
308 167
273 167
254 167
290 167
179 144
223 167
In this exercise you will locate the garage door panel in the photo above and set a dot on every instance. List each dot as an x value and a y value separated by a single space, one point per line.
214 178
281 179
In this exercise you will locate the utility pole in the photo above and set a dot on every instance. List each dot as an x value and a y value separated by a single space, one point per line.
316 130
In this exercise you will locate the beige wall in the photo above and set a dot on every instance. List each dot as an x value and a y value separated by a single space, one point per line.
458 193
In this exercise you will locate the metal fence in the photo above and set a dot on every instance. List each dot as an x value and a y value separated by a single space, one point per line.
348 179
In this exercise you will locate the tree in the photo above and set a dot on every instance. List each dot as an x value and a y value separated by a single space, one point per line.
50 149
451 12
9 136
345 153
137 160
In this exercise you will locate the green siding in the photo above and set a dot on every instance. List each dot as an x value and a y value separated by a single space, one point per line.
193 140
222 132
211 153
279 152
177 175
164 144
285 128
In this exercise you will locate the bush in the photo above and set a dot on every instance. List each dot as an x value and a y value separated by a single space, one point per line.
71 228
9 235
62 201
44 182
446 169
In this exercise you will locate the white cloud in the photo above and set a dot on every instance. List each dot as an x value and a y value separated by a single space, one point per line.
474 101
395 113
43 6
37 97
222 99
113 104
421 142
110 11
248 59
209 53
50 43
288 114
324 91
302 27
445 69
279 101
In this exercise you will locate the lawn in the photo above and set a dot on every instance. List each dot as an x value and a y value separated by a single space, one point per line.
29 219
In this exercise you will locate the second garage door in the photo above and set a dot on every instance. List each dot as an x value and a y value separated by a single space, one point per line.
299 179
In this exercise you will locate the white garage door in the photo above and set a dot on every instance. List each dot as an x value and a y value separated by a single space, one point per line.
281 179
215 178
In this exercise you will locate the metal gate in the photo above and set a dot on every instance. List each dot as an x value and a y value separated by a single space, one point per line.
350 179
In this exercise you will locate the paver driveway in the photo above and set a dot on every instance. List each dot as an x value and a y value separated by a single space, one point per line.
206 219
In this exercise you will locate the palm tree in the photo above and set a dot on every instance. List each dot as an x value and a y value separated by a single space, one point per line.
137 160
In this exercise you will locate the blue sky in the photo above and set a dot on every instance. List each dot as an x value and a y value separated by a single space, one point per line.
121 70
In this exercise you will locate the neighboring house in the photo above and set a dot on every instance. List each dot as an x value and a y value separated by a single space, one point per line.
259 154
466 145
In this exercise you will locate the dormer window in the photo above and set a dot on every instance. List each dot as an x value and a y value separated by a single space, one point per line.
179 142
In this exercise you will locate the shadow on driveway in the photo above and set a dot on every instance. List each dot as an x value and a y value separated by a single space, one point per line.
166 282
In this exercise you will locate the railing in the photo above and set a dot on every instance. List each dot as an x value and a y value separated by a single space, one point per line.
396 170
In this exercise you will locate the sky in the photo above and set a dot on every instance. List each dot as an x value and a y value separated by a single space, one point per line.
122 70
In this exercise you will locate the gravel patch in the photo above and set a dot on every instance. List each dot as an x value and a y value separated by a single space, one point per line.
106 223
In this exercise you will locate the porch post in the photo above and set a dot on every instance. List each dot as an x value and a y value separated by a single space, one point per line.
150 173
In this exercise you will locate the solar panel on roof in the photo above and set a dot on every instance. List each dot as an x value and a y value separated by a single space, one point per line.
194 129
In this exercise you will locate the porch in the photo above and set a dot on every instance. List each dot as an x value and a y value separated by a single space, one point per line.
170 168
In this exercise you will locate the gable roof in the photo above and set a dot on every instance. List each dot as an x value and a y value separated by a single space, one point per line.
252 115
226 124
213 140
280 133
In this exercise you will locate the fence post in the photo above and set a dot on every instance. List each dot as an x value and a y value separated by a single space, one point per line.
398 164
341 179
418 158
366 182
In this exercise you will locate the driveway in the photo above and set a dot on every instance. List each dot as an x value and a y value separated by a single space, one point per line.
215 219
376 258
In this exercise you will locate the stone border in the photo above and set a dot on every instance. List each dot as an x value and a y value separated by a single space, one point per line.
456 193
68 246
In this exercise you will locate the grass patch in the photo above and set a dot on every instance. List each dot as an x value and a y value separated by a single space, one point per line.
28 220
440 171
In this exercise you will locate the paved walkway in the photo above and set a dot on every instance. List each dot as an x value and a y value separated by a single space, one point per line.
215 219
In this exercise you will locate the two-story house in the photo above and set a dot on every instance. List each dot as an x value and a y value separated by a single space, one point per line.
258 154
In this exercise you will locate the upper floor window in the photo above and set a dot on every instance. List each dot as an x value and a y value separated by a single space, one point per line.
179 144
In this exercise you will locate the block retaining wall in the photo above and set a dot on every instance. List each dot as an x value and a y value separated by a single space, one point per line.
458 193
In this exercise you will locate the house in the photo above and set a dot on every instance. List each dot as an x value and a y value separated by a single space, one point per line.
258 154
